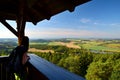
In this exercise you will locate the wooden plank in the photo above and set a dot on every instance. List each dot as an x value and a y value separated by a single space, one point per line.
51 71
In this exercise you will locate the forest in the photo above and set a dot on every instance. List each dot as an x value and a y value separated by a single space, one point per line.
91 59
87 64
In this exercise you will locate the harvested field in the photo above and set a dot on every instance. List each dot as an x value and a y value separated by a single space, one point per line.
69 45
38 50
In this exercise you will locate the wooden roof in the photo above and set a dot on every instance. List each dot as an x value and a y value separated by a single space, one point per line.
36 10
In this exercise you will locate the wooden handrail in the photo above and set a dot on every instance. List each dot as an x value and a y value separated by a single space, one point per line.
50 70
41 69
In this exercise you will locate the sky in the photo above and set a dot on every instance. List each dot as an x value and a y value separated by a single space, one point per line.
95 19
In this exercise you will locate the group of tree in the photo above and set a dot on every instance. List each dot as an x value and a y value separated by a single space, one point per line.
104 67
90 65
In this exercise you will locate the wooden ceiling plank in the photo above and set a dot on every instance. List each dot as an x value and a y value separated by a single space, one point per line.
52 7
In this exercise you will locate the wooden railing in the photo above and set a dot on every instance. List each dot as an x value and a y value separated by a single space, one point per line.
3 71
40 69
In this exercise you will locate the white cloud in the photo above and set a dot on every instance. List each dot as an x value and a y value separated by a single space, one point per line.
85 20
106 24
115 24
61 33
95 23
68 33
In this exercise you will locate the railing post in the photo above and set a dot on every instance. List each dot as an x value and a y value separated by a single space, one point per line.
0 71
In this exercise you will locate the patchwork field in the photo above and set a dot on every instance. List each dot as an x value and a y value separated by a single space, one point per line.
69 45
90 44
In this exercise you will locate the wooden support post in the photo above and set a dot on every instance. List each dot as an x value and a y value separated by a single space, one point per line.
21 30
21 21
9 27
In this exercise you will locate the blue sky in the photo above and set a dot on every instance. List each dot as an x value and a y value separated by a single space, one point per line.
95 19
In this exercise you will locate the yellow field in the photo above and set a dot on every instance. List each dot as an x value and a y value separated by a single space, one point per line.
69 45
38 50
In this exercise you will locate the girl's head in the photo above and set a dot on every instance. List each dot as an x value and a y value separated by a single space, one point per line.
25 42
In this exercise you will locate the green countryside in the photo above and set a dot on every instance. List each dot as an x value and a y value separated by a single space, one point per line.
93 59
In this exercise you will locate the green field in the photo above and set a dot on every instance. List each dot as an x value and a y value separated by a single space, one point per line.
92 44
107 45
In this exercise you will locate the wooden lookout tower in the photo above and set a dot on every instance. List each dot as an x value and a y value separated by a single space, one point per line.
34 11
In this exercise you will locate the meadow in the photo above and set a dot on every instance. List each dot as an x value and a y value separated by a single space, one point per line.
97 45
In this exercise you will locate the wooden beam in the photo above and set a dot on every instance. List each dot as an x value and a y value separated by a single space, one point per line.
21 22
21 31
9 27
